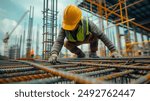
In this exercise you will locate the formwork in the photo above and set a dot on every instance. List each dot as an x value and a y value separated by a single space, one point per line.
77 71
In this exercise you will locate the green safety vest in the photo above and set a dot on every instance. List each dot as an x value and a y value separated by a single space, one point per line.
83 31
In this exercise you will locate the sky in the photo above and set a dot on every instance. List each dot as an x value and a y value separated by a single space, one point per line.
12 10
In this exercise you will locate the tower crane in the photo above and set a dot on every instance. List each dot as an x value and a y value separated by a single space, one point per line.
7 35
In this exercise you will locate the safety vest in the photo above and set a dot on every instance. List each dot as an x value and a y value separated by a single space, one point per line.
83 31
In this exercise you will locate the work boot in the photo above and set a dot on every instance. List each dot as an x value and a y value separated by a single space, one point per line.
81 55
93 55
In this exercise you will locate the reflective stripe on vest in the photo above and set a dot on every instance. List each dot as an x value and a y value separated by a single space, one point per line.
83 31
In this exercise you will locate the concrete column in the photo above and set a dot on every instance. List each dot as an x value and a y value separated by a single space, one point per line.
142 37
118 39
135 34
148 39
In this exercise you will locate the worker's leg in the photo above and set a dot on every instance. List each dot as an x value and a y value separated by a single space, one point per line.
72 47
93 48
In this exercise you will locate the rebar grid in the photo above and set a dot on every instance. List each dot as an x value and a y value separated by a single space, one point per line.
142 79
115 75
22 73
114 66
67 75
68 71
13 66
24 78
14 70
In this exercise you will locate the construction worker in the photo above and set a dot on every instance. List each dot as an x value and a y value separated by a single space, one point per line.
79 30
32 53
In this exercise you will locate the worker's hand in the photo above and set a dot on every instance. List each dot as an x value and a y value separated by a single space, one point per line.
53 58
115 54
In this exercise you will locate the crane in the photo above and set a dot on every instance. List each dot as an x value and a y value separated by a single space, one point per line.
7 35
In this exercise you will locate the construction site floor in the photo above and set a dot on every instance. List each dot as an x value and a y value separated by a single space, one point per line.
128 70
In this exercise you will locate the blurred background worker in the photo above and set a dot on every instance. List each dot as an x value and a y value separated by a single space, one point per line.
32 53
79 30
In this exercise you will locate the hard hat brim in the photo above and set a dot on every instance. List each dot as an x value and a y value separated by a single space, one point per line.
69 27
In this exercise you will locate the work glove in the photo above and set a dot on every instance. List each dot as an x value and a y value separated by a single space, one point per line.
115 54
53 58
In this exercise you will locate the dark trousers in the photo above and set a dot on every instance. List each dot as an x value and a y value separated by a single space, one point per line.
72 46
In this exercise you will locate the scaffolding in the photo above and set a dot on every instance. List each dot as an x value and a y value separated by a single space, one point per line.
49 26
14 52
118 15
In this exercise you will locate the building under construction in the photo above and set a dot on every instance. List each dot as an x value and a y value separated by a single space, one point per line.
125 22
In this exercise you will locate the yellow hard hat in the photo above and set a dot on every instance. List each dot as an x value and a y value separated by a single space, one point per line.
72 16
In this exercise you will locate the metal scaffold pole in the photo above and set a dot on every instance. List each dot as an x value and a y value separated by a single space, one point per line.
49 26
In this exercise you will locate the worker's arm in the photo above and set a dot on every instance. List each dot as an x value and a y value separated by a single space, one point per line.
98 33
59 42
57 47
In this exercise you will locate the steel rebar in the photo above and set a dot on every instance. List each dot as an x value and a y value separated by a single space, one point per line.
114 66
22 74
98 72
13 66
24 78
13 70
41 81
66 75
142 79
115 75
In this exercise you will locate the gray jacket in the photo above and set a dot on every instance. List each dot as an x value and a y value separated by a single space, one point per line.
92 29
